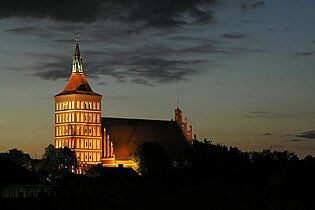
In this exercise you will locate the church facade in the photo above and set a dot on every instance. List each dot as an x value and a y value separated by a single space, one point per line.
79 125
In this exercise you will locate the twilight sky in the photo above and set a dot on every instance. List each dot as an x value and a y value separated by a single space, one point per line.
243 70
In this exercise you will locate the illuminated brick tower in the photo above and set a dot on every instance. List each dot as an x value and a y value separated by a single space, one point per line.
78 116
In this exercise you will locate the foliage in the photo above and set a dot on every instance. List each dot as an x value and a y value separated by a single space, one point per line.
151 159
19 157
58 162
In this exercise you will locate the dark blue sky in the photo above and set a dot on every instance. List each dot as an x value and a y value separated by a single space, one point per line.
243 70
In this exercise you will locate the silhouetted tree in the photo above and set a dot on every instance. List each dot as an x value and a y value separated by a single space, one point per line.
152 160
58 162
19 157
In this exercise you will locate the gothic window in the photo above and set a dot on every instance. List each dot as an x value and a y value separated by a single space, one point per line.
82 143
98 131
98 118
98 144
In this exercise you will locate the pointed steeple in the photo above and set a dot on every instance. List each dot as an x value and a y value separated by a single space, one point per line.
77 66
77 82
77 48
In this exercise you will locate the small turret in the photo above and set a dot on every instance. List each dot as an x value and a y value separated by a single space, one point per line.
183 125
77 65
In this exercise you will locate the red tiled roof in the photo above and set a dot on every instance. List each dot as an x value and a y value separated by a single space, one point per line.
128 134
78 81
77 84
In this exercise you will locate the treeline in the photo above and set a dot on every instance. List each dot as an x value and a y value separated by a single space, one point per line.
199 162
204 161
55 164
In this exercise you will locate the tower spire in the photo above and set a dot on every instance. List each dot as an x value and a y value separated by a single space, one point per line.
77 66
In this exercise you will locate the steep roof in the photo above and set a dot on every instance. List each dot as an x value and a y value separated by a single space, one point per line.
77 82
128 134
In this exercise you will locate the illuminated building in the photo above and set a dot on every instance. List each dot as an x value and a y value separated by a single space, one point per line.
110 141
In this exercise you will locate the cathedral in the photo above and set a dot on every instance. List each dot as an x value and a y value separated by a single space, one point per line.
79 125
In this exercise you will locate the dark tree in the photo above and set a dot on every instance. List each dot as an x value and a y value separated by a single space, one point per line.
152 160
19 157
58 162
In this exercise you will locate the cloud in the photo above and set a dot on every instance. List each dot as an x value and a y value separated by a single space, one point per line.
135 69
233 36
251 4
148 13
22 29
307 134
183 57
102 83
117 48
305 53
279 115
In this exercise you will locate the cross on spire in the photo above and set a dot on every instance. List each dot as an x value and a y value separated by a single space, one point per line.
77 66
77 38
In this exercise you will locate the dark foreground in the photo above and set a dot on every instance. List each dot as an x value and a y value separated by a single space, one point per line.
143 195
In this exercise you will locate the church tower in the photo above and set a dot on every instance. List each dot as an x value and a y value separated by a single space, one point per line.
78 116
